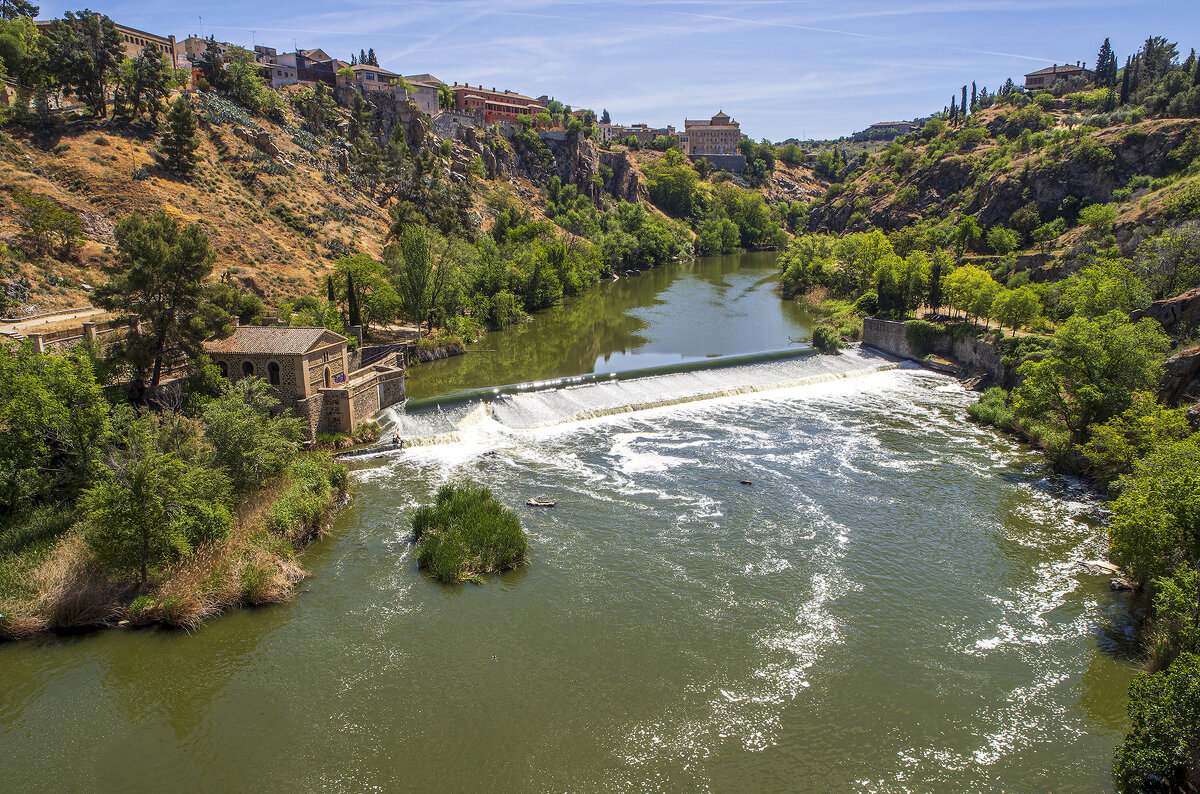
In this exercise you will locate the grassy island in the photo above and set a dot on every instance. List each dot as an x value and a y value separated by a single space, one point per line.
466 533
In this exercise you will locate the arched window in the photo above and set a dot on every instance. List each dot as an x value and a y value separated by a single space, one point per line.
328 383
221 365
247 368
273 373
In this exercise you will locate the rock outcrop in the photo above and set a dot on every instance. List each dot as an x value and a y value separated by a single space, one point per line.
1179 315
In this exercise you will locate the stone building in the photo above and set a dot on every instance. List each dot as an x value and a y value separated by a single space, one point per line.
374 78
1044 78
718 135
133 40
311 372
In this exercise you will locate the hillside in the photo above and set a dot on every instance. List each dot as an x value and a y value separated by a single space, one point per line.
277 220
1020 168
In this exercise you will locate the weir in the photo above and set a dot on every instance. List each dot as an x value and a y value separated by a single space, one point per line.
541 404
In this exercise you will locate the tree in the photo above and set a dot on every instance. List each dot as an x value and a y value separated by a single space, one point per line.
45 225
1170 262
1100 218
84 52
158 277
251 441
965 109
605 118
180 144
967 233
150 507
1108 285
143 84
12 9
371 59
370 298
1092 371
353 315
1106 66
55 421
1016 308
974 97
1118 445
420 273
1125 74
362 56
1157 56
241 79
212 63
23 58
1162 749
1001 240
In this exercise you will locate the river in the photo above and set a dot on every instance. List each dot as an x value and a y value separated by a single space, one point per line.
891 604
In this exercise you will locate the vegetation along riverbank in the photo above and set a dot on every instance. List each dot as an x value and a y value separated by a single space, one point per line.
1047 244
138 483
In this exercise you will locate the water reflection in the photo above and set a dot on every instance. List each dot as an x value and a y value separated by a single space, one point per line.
681 312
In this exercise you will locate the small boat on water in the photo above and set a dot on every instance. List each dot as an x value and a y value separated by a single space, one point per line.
541 502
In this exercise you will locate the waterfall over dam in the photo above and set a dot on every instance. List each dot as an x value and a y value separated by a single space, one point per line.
549 403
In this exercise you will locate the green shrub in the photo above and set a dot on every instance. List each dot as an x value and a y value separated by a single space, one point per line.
466 533
1184 205
993 409
299 510
867 303
921 335
826 339
1163 744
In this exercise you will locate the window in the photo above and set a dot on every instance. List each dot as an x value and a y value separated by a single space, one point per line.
328 383
273 373
247 368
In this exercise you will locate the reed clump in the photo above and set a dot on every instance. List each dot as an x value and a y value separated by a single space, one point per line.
467 533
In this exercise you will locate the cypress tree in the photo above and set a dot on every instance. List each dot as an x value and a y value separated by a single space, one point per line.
1125 80
362 56
1106 63
353 59
179 144
352 301
1196 76
962 107
974 96
371 59
953 110
330 290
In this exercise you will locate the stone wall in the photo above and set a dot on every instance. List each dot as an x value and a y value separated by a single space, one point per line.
725 162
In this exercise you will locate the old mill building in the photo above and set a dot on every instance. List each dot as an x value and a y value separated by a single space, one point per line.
313 373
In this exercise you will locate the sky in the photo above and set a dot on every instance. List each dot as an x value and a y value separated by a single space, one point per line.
782 68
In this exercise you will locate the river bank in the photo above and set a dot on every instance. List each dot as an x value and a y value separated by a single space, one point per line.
64 589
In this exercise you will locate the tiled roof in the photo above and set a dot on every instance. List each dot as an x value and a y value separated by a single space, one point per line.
1070 67
426 79
253 339
366 67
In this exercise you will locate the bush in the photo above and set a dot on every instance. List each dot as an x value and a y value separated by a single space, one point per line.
299 510
993 409
826 339
466 533
868 303
1163 744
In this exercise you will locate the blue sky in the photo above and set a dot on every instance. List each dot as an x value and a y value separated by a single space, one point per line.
783 68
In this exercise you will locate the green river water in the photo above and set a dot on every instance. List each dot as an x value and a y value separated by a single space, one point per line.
893 604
